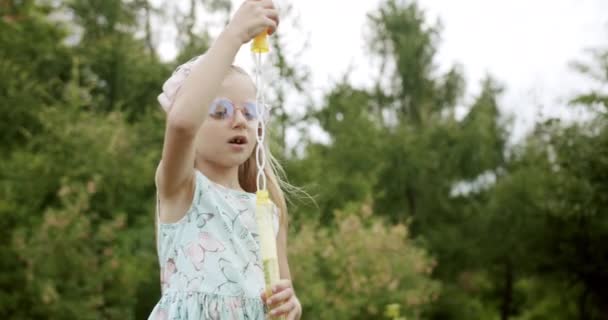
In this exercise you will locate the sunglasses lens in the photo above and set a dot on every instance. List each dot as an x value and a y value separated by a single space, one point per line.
221 109
250 111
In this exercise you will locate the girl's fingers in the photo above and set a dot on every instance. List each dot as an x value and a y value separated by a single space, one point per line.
282 295
293 314
284 308
267 4
271 26
272 15
281 285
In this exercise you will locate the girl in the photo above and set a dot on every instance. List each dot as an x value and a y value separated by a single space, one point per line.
207 242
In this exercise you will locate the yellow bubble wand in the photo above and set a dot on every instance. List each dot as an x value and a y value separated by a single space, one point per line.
263 209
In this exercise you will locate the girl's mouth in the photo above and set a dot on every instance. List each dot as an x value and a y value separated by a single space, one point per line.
238 140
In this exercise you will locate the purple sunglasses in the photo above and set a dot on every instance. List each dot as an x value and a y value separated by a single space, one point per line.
224 108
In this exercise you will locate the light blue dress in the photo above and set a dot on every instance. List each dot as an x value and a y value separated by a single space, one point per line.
210 263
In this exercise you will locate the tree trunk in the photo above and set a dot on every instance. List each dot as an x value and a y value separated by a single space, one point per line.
148 29
582 305
411 199
507 293
603 301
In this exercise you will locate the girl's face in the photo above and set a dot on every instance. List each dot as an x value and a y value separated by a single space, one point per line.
227 137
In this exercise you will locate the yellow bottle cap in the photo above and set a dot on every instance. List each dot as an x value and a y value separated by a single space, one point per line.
260 43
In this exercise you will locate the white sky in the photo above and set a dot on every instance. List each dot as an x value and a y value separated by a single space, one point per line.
525 44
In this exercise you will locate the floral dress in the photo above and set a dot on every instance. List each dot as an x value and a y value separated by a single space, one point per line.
210 263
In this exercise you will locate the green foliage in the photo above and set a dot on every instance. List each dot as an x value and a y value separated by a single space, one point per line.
60 255
76 247
336 281
342 171
33 67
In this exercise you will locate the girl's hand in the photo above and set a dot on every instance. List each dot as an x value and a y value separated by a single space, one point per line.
252 18
283 301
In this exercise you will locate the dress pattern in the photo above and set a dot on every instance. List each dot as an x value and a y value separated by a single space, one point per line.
210 263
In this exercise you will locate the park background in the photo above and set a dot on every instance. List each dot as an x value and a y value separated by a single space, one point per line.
452 177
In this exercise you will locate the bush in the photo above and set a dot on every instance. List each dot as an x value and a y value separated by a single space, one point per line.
358 268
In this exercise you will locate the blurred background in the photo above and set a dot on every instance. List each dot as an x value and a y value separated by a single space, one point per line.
456 153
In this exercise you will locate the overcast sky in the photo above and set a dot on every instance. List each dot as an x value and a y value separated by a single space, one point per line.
526 44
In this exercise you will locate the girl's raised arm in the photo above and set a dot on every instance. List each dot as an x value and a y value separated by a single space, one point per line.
190 106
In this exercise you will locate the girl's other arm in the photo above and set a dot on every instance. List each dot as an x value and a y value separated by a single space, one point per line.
282 253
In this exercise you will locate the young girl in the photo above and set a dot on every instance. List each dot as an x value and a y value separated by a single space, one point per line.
208 245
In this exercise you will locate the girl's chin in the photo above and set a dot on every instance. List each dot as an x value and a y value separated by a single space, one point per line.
230 158
236 159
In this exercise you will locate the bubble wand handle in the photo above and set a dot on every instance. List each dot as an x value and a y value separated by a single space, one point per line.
263 209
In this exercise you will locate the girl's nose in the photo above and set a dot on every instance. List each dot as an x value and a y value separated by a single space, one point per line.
239 120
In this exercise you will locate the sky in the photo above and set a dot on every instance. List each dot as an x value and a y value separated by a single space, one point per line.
527 45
